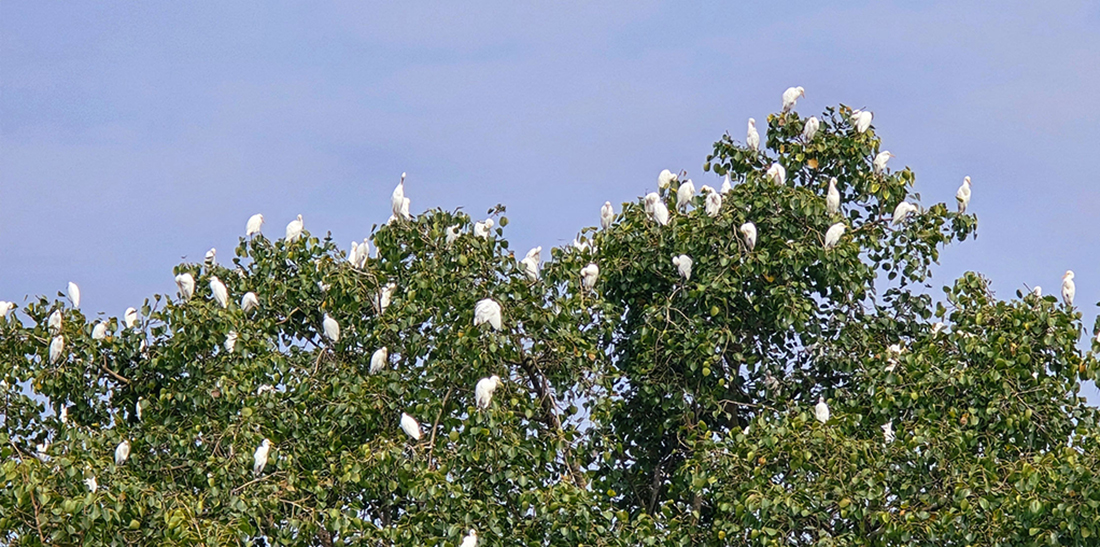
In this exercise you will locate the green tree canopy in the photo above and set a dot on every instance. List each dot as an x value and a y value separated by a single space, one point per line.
646 404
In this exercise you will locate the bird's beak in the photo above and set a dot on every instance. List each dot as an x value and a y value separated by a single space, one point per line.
802 93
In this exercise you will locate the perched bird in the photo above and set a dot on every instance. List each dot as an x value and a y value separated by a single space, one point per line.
481 229
777 173
902 211
211 257
410 426
249 302
879 164
259 458
821 410
53 324
790 97
379 360
64 415
91 484
752 138
470 540
726 186
531 263
963 195
403 212
832 198
581 245
397 200
683 265
5 308
1068 288
230 341
42 451
331 328
684 194
294 229
255 222
607 215
74 294
185 282
936 328
861 120
385 295
810 128
452 234
483 391
712 204
57 345
122 452
832 235
353 254
665 179
748 230
888 432
487 311
589 274
130 317
221 294
137 407
99 331
656 208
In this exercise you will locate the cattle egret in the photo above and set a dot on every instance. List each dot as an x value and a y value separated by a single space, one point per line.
712 204
1068 288
185 282
531 262
404 212
656 208
962 197
259 458
832 235
665 179
99 331
581 245
748 230
230 341
379 360
832 198
483 391
410 426
53 324
211 257
861 120
64 415
684 194
752 139
130 317
397 200
902 211
810 129
385 295
255 222
331 328
91 484
74 294
1037 291
294 230
481 229
487 311
879 163
470 540
683 265
452 234
790 97
353 254
726 186
888 432
5 308
57 345
221 294
607 215
589 274
42 451
821 410
122 452
777 173
137 407
936 328
249 302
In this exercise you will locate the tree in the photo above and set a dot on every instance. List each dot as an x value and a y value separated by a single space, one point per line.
650 408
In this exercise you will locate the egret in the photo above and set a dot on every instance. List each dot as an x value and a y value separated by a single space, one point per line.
683 265
379 360
122 452
64 415
607 215
99 331
810 128
665 179
1037 291
888 432
221 294
254 223
91 484
53 324
832 235
752 139
790 97
821 410
879 163
185 282
963 195
404 211
74 294
936 328
531 262
331 328
359 253
656 208
832 198
5 308
902 211
397 200
1068 288
137 407
726 186
589 274
211 257
861 120
259 458
452 234
294 229
581 245
684 194
712 204
748 230
470 540
57 345
481 229
410 426
130 317
487 311
230 341
42 451
777 173
249 302
483 391
353 254
385 295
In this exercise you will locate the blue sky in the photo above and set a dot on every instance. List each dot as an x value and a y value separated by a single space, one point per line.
134 134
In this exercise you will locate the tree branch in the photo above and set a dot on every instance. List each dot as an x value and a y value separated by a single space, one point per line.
438 415
550 415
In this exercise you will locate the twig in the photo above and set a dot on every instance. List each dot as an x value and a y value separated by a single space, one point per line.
438 415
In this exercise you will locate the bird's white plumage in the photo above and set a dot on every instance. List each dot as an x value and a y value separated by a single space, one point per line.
92 485
726 185
137 407
888 435
410 426
937 327
482 229
821 410
385 295
64 415
832 235
99 331
122 452
659 211
748 231
470 540
185 282
452 234
379 359
57 346
397 199
230 341
607 215
294 229
5 308
777 173
483 391
259 458
685 194
712 203
962 196
665 179
581 245
902 211
218 290
130 317
1037 291
487 311
683 265
861 120
752 137
810 128
331 328
589 275
790 97
53 323
879 163
249 302
74 294
1069 288
531 263
832 198
211 257
255 223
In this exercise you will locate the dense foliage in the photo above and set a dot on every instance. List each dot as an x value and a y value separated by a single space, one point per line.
648 409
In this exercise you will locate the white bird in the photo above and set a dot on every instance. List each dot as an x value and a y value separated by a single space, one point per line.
656 208
122 452
531 263
684 194
581 245
74 294
57 345
888 432
483 391
589 274
1068 288
777 173
902 211
211 257
410 426
249 302
379 360
53 324
137 407
259 458
255 222
481 229
230 341
470 540
810 129
487 311
294 229
42 451
962 197
821 410
91 484
832 198
726 186
220 293
331 328
879 163
99 331
5 308
385 295
936 328
452 234
404 211
665 179
752 139
748 230
130 317
712 204
832 235
397 200
607 215
861 120
683 265
185 282
790 97
64 415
